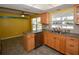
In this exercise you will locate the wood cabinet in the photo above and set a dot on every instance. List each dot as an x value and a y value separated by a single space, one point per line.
64 44
29 42
57 43
76 13
53 42
48 40
78 46
45 18
0 47
46 37
72 46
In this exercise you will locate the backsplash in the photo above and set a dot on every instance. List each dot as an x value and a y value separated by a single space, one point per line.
76 29
45 27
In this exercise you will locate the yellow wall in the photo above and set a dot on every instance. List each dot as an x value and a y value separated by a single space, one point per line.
12 27
62 10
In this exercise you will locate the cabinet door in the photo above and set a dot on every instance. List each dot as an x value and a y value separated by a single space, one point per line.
76 14
30 44
50 40
0 47
53 42
78 46
57 44
72 46
45 18
62 44
45 37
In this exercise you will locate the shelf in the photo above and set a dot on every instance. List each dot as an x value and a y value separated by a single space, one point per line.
4 17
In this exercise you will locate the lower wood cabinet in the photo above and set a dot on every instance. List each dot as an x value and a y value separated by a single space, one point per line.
0 47
64 44
53 42
57 43
72 47
46 37
29 42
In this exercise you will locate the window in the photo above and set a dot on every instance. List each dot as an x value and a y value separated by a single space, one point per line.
56 22
68 22
36 24
65 22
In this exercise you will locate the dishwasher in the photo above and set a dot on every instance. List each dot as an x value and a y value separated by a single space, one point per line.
38 39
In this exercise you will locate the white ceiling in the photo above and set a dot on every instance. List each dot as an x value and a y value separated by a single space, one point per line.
36 8
43 6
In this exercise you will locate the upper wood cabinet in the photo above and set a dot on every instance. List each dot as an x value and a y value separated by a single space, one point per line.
45 18
76 14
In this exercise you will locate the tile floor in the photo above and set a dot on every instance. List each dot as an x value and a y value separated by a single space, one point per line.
14 47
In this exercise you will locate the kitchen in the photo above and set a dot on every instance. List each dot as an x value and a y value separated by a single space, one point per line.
52 30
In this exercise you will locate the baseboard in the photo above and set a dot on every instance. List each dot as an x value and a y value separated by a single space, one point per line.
11 37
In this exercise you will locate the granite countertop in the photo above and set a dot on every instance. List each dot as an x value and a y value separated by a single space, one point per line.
74 35
31 32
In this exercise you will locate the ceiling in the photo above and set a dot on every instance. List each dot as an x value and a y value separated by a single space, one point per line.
43 6
36 8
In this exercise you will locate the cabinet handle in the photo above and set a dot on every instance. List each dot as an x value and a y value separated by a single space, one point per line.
54 37
71 45
72 39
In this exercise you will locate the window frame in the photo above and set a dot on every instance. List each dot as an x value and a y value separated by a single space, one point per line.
37 23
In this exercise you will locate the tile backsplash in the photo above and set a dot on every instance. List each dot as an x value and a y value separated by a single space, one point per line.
76 29
45 27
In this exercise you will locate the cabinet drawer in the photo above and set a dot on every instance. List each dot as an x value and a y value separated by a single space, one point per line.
72 41
71 49
72 46
71 52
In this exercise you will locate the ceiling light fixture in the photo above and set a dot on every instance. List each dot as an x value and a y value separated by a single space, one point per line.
22 15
